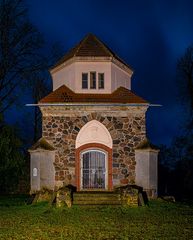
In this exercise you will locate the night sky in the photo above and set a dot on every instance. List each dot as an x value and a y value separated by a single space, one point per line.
149 35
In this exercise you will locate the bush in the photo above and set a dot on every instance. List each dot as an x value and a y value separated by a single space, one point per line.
12 159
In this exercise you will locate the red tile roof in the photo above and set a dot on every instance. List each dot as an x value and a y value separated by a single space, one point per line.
65 95
90 46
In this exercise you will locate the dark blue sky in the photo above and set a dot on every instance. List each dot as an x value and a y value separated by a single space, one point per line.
149 35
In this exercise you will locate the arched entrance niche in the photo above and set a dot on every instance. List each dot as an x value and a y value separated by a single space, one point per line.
94 157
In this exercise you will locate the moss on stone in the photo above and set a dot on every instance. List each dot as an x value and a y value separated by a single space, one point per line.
44 195
63 197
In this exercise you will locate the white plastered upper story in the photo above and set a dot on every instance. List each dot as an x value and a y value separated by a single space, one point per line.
70 75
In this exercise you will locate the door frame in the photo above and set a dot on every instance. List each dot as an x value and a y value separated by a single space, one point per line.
99 147
81 168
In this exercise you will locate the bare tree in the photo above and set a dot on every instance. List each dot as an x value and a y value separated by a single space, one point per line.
20 45
39 89
40 86
185 77
183 145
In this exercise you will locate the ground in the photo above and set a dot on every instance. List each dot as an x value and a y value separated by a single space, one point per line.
159 220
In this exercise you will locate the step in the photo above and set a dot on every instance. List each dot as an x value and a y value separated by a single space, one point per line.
96 198
107 194
96 203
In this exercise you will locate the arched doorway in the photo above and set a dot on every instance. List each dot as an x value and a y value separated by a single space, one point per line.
94 169
94 157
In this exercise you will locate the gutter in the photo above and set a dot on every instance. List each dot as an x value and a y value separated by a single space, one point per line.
92 104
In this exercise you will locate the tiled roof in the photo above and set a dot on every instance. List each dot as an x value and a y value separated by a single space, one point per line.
65 95
90 46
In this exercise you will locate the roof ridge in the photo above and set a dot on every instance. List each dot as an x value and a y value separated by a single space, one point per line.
89 47
61 87
121 87
110 51
103 45
80 44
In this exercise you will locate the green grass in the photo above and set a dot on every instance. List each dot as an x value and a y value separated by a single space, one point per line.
161 220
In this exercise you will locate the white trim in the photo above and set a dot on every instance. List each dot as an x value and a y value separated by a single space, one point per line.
92 104
111 59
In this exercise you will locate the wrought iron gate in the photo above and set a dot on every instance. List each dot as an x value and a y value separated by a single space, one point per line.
93 169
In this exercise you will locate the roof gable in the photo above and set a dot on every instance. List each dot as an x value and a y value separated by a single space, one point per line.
89 46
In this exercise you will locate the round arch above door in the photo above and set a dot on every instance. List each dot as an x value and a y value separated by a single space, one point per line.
94 157
94 132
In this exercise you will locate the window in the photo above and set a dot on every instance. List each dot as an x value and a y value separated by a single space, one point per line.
92 80
101 84
93 169
84 80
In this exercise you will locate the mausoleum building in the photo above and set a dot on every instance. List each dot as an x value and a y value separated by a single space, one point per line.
93 126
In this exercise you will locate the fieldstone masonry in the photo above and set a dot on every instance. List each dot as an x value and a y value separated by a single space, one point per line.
126 126
70 128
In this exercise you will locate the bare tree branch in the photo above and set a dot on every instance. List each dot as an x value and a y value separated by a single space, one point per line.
185 77
20 45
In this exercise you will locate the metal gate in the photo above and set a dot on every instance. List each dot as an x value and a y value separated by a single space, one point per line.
93 170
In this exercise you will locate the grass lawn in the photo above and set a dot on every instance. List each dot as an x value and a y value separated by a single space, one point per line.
161 220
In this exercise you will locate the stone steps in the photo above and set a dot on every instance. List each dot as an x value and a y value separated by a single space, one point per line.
96 198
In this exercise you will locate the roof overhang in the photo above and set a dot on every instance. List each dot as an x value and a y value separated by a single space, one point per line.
121 65
92 104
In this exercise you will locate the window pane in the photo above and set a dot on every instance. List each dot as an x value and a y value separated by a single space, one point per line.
84 80
101 80
93 170
93 80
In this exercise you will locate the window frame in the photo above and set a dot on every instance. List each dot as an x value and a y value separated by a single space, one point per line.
95 87
101 74
83 80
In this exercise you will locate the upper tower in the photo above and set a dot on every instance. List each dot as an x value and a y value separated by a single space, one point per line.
91 67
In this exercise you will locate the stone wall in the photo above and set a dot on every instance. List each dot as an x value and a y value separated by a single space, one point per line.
126 127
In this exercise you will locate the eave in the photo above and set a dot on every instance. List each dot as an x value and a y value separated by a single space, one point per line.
93 104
